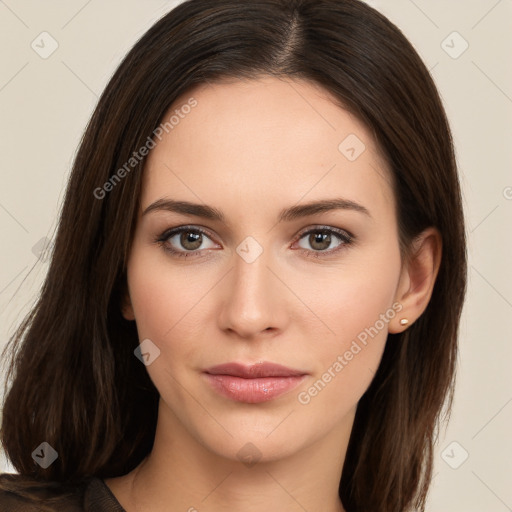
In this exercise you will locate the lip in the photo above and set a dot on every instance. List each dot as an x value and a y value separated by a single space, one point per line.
252 371
253 383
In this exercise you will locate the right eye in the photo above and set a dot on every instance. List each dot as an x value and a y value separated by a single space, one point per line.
189 238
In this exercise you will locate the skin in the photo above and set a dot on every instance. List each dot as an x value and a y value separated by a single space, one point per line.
251 148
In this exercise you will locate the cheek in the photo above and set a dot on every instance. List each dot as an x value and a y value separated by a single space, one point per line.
357 306
172 309
347 300
162 296
345 364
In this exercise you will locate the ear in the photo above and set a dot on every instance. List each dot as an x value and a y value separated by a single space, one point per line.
417 279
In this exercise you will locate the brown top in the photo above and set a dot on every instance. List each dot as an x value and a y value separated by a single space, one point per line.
93 495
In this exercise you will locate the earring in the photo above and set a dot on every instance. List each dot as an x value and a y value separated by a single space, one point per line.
404 321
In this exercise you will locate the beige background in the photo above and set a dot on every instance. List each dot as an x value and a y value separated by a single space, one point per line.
46 103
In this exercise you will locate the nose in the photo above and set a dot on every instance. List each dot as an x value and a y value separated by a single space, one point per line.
254 300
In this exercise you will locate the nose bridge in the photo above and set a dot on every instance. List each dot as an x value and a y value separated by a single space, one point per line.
251 305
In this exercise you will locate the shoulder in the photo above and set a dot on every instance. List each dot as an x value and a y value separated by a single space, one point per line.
19 493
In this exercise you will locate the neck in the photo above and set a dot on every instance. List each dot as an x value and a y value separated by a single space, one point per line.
182 474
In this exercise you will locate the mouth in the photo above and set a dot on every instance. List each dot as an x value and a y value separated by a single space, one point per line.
253 383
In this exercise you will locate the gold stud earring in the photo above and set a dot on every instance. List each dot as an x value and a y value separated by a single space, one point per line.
404 321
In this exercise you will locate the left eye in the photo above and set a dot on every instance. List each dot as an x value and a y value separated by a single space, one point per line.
320 239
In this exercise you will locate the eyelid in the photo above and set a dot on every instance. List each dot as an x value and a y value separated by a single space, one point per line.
168 233
342 233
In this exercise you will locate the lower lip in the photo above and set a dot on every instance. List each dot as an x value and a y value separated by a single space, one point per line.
253 391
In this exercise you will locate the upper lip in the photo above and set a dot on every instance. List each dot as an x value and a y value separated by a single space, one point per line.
253 371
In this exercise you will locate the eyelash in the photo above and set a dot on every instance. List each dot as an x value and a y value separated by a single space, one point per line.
345 238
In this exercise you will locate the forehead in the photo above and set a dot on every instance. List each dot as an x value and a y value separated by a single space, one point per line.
271 138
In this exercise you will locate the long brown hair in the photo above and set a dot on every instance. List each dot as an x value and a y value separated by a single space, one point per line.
74 380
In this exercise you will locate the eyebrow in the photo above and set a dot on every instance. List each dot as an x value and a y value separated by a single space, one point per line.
287 214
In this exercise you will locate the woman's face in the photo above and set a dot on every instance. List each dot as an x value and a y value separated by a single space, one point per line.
269 279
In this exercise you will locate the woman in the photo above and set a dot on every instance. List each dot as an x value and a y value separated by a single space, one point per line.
255 291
